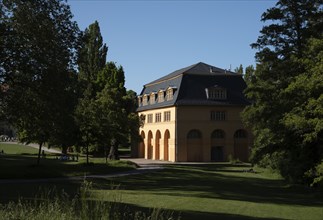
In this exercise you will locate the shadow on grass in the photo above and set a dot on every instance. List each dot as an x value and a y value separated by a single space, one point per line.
24 167
222 216
212 181
189 215
16 191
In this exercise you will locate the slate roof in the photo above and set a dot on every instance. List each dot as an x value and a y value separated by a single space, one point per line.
190 84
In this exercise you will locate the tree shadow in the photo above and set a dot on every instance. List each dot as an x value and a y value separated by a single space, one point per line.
208 182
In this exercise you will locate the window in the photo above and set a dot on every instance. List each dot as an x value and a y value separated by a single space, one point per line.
152 98
218 134
142 118
167 116
217 115
158 117
145 100
240 134
150 118
169 94
139 100
194 134
161 96
216 93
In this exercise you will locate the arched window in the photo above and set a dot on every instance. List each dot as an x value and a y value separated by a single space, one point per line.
194 134
240 134
218 134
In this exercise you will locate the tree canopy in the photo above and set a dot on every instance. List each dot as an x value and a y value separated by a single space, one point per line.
286 111
104 108
38 56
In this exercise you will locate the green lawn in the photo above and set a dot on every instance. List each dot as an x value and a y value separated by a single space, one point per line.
204 191
19 161
16 149
219 191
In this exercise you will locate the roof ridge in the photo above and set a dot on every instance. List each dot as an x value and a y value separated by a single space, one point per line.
189 70
173 74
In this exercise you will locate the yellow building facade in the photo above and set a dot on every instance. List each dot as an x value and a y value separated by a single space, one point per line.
193 114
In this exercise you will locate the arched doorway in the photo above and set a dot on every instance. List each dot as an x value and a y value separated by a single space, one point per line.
241 150
149 146
217 145
141 148
194 145
166 145
217 153
157 145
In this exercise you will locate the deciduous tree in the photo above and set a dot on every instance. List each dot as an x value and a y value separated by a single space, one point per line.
282 46
92 60
39 41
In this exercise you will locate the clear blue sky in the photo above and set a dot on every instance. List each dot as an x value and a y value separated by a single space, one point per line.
153 38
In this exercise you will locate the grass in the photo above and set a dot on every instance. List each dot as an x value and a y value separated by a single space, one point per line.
16 149
195 191
59 205
214 191
19 161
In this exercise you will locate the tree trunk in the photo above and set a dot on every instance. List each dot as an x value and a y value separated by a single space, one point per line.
87 154
113 154
106 154
39 151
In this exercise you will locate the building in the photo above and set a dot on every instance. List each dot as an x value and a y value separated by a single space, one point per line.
193 114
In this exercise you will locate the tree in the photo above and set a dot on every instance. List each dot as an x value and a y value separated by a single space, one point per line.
239 69
112 100
105 113
304 120
92 56
281 47
134 120
92 60
249 74
39 44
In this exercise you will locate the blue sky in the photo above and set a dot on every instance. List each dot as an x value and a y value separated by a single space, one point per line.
150 39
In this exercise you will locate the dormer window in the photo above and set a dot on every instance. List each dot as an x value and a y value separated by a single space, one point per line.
170 93
216 92
145 100
152 98
139 100
161 96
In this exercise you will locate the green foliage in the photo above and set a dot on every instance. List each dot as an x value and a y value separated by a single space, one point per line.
92 54
106 111
249 74
285 89
239 69
40 43
233 160
318 179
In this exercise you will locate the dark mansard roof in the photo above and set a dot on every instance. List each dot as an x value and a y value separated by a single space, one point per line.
190 84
